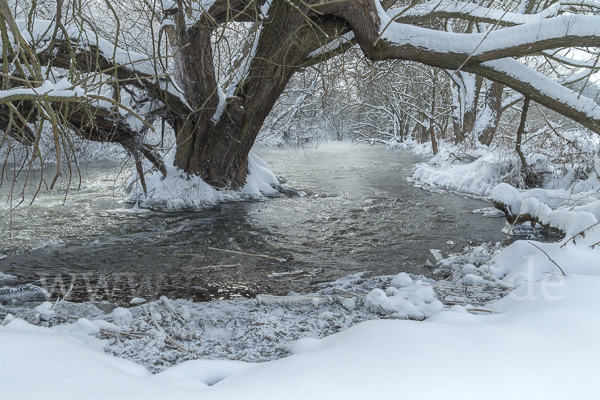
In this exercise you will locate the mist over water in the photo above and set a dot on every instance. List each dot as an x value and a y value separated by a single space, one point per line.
359 214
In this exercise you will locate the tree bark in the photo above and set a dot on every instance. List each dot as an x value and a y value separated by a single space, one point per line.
218 151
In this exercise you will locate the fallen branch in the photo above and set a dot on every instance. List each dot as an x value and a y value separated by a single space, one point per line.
113 334
521 218
167 303
482 310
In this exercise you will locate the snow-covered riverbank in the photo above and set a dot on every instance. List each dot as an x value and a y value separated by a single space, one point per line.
539 341
515 322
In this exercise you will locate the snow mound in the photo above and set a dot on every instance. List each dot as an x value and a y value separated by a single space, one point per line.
546 331
476 172
208 372
180 191
404 299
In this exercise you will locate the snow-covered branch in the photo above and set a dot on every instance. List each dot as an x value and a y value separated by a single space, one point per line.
468 11
90 53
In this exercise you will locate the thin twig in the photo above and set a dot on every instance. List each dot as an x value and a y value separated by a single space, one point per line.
553 262
582 234
167 303
189 254
167 336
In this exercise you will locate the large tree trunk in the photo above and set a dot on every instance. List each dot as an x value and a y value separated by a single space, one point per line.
218 151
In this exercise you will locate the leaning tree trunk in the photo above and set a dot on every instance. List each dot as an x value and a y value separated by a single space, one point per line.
217 151
468 121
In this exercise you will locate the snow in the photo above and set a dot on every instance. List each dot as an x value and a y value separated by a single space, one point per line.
506 194
478 177
546 85
179 191
122 316
540 342
40 32
477 44
472 9
415 302
61 89
401 280
570 221
242 72
332 45
205 371
357 337
531 29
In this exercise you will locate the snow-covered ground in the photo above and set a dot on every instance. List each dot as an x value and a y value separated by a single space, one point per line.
502 322
537 342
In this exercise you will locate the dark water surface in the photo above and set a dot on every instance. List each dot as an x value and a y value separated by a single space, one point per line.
360 214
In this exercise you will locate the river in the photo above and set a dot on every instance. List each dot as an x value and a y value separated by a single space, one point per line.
360 213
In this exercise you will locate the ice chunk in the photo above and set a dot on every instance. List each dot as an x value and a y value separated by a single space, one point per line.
6 279
401 280
349 304
137 300
122 316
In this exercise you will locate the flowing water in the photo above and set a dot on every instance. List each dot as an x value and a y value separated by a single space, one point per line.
359 214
